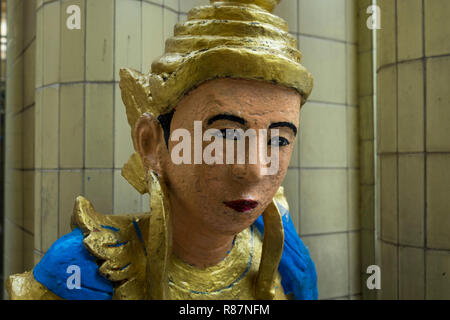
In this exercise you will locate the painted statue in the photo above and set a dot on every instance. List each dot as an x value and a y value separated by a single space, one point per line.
218 228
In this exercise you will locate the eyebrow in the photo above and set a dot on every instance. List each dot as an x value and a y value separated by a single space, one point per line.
231 117
228 117
284 124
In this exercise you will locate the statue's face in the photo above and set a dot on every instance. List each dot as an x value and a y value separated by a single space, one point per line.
228 198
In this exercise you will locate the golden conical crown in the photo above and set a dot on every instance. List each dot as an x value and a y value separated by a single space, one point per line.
228 38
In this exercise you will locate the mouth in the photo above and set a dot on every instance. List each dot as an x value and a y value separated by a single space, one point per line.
241 205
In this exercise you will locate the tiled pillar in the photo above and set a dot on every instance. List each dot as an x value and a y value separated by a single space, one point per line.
366 52
20 110
413 125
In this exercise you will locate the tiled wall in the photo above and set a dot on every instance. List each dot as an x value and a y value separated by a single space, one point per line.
366 92
323 179
84 136
413 125
20 111
67 129
79 136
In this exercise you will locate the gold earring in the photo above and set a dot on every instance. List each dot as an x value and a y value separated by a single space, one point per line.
159 239
272 250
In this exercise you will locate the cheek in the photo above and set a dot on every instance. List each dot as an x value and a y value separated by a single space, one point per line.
273 182
285 159
200 184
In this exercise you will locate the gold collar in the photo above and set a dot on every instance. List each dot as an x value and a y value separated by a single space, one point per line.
185 279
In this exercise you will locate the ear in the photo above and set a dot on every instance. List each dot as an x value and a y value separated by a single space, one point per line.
149 139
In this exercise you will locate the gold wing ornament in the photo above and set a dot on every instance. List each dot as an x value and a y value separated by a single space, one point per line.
117 241
133 250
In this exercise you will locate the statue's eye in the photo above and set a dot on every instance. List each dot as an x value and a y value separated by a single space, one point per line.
278 141
229 134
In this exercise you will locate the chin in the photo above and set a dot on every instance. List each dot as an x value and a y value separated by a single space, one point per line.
231 222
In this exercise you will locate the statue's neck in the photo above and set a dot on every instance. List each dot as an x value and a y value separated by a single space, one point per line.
194 243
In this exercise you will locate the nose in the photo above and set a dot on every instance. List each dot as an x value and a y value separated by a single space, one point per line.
247 173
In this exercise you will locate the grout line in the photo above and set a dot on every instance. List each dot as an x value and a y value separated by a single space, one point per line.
60 84
341 104
24 49
323 38
347 296
397 141
403 245
63 169
42 33
46 4
22 228
368 185
307 235
83 172
39 252
58 174
299 153
147 1
391 153
58 147
114 100
425 92
347 171
413 60
323 168
22 192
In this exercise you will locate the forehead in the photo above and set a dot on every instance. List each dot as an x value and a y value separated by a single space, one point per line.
256 101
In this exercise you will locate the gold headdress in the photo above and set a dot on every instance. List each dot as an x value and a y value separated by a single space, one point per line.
228 38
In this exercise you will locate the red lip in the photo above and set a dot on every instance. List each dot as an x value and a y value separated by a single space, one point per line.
241 205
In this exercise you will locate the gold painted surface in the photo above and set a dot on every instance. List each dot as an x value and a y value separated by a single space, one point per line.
159 240
268 5
125 264
281 198
233 12
25 287
231 279
133 171
272 251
